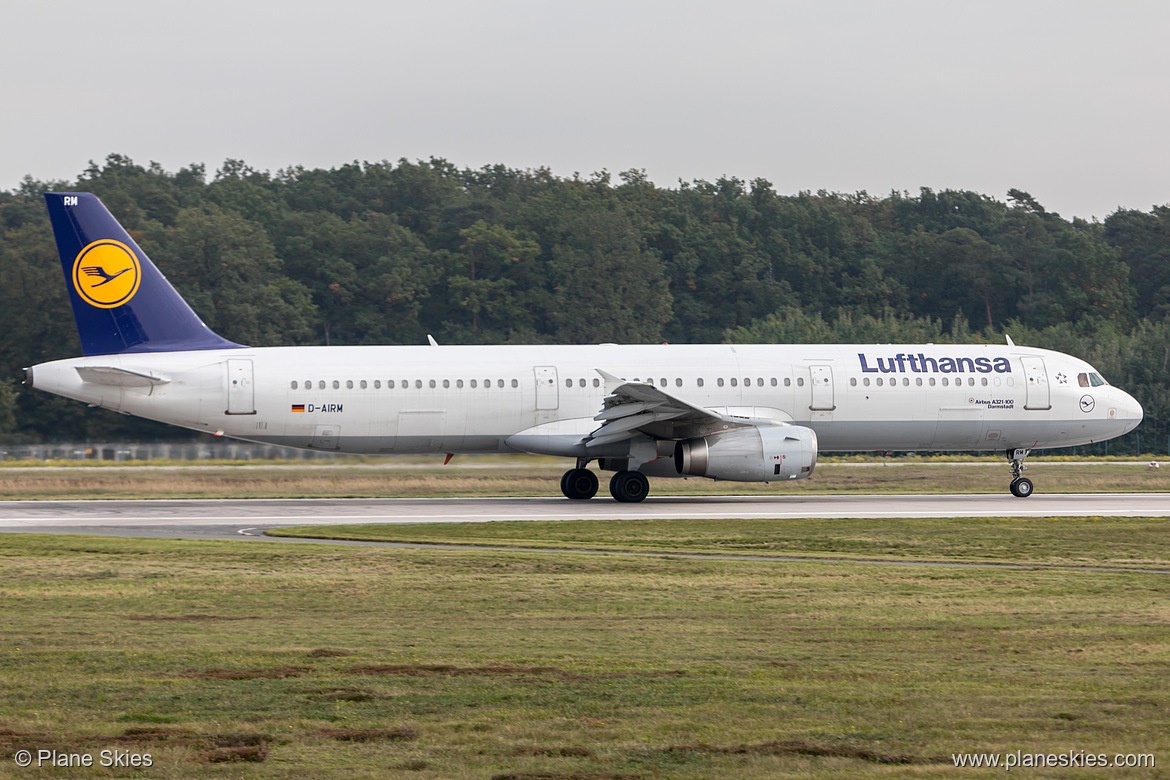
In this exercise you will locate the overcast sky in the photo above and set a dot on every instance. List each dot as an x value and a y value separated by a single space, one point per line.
1066 100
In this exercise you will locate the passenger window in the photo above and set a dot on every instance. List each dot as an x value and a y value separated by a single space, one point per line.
945 381
349 384
853 381
431 383
719 381
971 381
662 382
499 383
418 384
905 381
865 381
918 381
580 383
377 384
880 382
321 384
931 380
800 381
473 384
515 383
446 383
389 384
363 384
699 382
568 383
294 384
984 381
597 383
788 381
678 382
773 381
733 382
459 383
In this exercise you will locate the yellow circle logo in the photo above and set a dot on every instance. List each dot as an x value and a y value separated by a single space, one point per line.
106 273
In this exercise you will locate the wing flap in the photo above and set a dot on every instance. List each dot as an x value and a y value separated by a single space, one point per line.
632 406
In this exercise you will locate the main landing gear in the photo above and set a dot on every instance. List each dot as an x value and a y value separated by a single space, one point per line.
629 486
1021 486
579 483
625 486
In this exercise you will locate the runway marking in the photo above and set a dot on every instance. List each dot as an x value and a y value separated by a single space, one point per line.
940 513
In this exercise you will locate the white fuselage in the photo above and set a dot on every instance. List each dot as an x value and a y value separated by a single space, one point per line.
544 398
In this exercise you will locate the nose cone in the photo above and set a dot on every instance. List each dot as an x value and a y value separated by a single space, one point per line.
1130 411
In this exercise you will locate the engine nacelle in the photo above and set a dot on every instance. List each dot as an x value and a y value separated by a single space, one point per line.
768 453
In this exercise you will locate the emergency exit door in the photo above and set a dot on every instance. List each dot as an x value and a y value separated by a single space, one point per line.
547 391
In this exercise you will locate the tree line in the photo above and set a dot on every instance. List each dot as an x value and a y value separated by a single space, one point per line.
389 252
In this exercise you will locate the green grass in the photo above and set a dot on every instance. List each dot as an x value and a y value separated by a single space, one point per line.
523 476
356 662
1058 541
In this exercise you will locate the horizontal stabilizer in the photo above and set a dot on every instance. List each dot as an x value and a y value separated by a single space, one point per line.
118 377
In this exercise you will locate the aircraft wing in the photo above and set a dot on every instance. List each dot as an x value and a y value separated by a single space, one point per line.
632 408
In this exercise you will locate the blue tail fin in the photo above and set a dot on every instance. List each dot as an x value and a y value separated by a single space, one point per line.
121 302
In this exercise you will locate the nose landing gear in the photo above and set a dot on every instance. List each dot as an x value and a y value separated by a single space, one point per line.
1021 486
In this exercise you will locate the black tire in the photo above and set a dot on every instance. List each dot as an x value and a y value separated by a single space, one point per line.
629 487
1022 487
579 484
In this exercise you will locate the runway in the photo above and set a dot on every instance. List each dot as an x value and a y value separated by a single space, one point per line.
243 519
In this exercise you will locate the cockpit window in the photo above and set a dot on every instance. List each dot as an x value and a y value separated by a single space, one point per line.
1083 380
1091 379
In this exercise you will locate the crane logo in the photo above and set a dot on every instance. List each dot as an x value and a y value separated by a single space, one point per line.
106 274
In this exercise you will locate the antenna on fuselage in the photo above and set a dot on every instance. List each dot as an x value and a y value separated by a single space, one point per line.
431 340
1009 340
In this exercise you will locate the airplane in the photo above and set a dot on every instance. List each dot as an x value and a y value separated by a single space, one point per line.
747 413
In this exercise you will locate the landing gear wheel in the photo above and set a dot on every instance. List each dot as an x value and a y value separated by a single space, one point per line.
1022 487
629 486
579 484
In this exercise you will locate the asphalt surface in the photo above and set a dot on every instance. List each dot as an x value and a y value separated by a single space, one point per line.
240 519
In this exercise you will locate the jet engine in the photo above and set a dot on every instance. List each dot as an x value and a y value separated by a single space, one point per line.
766 453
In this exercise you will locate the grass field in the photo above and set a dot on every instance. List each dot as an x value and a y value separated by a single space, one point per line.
541 477
1062 541
263 659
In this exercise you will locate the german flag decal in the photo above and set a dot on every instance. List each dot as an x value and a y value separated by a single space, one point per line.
298 407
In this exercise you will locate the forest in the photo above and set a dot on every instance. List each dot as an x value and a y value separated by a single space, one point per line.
389 252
